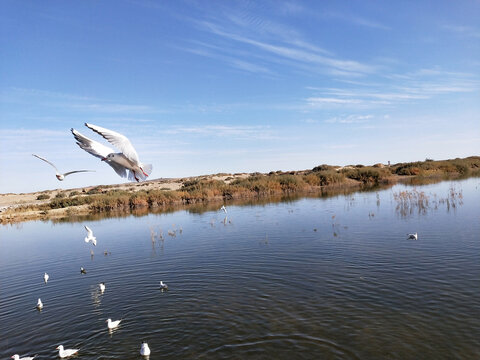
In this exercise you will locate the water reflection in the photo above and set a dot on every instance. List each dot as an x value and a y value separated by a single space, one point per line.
201 208
322 277
415 201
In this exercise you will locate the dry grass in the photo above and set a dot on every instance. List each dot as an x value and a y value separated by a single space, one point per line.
324 180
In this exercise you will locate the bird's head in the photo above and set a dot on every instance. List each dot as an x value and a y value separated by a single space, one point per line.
60 177
109 157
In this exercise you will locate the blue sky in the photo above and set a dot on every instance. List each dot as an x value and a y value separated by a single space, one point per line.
204 87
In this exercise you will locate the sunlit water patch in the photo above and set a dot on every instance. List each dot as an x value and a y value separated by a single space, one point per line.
326 278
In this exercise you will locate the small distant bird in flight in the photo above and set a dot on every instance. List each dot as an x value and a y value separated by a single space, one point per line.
59 176
63 353
125 160
90 237
224 208
412 236
45 277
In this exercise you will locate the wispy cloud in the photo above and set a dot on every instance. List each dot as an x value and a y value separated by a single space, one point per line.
299 52
238 132
410 87
112 108
265 44
467 31
59 100
350 119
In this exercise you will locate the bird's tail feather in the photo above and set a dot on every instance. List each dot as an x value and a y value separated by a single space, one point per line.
147 168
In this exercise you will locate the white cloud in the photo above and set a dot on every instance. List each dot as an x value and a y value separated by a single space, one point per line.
463 30
350 119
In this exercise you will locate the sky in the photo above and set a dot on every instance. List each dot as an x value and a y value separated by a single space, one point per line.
203 87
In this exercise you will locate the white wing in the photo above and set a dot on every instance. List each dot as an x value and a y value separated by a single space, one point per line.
119 169
89 231
48 162
118 140
91 146
77 171
98 150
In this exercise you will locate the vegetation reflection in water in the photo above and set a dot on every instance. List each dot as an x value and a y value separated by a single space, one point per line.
323 277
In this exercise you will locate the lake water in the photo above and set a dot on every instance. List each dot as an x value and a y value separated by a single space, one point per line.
313 278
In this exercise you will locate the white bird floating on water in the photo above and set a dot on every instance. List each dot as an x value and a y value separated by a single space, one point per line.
39 304
224 208
112 324
127 159
59 176
144 349
90 237
46 277
17 357
102 287
63 353
412 236
163 286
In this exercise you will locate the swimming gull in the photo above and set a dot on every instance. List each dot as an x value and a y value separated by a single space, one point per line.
413 236
45 277
113 324
144 349
39 304
82 270
17 357
126 159
59 176
63 353
102 286
163 286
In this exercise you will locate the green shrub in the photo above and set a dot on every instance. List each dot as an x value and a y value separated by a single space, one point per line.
43 197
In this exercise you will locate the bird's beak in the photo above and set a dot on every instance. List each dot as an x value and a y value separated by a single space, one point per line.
57 348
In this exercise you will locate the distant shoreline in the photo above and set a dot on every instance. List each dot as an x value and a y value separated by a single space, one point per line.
155 195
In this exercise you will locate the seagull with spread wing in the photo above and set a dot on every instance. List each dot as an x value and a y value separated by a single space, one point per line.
125 160
59 176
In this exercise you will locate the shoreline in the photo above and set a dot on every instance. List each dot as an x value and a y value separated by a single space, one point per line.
160 195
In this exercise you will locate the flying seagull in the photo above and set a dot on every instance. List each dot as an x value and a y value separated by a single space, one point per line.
224 208
59 176
90 237
126 159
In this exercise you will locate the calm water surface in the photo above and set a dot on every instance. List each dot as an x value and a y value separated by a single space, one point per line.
315 278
